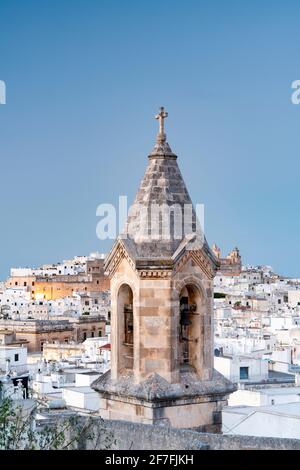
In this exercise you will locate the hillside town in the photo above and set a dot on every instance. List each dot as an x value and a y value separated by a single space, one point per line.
55 340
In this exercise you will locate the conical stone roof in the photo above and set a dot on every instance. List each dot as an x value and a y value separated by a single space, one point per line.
162 217
162 221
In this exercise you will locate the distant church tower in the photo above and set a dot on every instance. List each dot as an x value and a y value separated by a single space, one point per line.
162 309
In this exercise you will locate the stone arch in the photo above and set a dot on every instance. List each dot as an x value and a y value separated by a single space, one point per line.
193 280
117 285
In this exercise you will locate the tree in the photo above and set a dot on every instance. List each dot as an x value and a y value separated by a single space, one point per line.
19 430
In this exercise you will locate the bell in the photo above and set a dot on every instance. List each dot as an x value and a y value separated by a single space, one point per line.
184 314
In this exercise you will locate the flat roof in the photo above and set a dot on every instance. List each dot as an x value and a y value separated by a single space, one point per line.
280 391
288 409
76 370
93 372
84 389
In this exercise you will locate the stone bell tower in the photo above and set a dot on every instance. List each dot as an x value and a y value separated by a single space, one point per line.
161 271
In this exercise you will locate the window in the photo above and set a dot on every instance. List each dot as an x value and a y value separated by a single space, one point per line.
25 284
92 334
100 333
86 302
84 335
16 357
96 301
244 373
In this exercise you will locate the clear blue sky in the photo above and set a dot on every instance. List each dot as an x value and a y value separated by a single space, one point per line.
84 80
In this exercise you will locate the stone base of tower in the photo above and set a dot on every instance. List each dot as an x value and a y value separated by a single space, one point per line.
191 403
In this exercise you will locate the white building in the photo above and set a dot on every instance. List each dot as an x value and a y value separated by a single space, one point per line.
13 358
294 297
245 345
81 398
264 396
242 368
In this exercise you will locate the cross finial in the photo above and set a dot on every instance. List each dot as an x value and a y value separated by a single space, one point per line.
161 116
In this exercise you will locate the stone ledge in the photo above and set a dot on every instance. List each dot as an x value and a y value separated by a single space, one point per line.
156 389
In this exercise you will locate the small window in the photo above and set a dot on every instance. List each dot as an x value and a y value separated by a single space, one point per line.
92 334
100 333
84 336
16 357
244 373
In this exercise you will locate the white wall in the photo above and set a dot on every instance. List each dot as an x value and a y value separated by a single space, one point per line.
294 297
230 368
83 380
84 398
8 352
260 398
